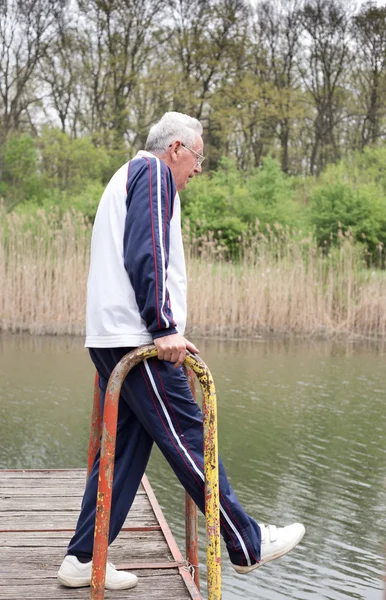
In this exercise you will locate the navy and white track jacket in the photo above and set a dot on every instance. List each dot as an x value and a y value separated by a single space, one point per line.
136 288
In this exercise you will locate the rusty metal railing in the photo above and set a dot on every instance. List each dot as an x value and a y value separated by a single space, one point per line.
106 473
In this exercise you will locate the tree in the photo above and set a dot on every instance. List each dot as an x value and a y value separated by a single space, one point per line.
117 41
61 74
369 28
204 33
324 68
278 28
206 39
26 27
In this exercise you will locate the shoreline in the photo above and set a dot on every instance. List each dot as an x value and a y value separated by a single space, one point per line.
263 338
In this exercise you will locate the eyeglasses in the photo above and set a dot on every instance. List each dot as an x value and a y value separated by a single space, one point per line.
199 157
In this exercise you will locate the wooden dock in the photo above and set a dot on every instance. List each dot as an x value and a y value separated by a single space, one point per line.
38 513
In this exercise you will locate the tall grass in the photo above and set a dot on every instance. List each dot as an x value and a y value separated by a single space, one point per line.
43 269
280 283
284 284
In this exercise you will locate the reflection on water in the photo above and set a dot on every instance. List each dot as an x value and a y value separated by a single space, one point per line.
301 430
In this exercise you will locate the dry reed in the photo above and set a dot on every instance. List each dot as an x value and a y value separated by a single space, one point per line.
279 284
43 268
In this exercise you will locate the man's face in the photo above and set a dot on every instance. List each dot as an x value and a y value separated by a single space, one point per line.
183 161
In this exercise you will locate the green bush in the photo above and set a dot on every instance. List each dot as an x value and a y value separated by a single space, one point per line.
53 170
19 161
230 202
56 201
271 197
66 163
350 205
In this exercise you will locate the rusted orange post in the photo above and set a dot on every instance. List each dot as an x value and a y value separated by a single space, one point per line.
105 487
95 432
191 512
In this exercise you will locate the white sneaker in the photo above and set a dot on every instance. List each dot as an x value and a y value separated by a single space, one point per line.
275 542
73 573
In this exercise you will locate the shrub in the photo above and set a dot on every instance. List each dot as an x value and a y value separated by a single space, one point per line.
230 202
58 202
343 206
19 160
68 163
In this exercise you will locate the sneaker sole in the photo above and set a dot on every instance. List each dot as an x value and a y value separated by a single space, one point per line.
243 570
73 582
77 582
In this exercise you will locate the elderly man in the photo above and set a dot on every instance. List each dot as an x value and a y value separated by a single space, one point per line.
136 295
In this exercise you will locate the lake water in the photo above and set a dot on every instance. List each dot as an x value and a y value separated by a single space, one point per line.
301 431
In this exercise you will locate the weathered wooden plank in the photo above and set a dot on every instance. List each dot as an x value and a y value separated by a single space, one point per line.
153 586
20 491
129 546
65 519
44 478
65 474
56 503
61 513
66 490
34 572
126 539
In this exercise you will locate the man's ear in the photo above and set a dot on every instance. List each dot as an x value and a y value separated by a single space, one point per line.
174 150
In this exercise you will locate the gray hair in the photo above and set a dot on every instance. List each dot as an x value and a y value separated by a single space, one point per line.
171 127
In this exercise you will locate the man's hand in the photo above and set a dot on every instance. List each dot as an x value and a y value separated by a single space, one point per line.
173 348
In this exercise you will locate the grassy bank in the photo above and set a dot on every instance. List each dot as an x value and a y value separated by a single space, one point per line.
281 283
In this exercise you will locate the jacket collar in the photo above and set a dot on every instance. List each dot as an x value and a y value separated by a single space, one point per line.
143 153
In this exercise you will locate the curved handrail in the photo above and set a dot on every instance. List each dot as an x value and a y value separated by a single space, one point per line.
106 469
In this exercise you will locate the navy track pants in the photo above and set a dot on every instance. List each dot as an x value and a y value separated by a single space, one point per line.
156 405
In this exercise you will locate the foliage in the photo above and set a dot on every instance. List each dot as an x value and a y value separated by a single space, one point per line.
66 163
56 202
19 161
271 196
350 201
53 171
230 202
